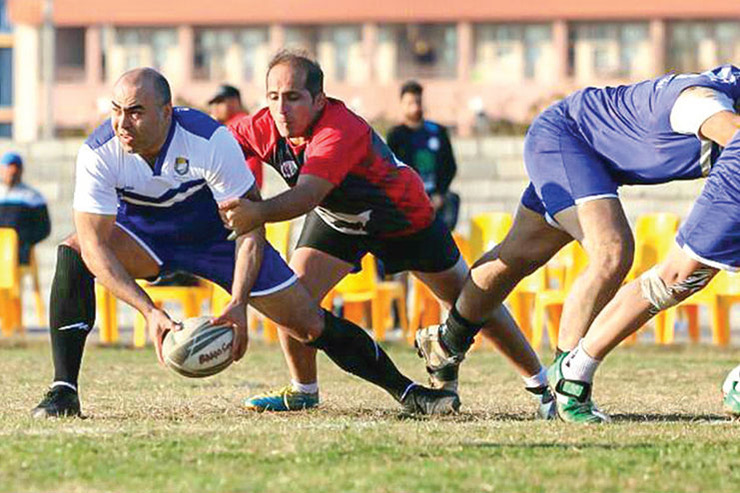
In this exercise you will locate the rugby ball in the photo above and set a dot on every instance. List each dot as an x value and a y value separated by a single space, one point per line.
732 381
199 349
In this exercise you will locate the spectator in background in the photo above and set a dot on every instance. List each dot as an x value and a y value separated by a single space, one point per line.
226 107
21 207
425 146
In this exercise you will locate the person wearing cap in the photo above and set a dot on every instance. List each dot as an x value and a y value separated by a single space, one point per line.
21 207
226 107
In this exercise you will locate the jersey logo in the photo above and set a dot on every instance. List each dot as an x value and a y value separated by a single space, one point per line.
288 169
182 166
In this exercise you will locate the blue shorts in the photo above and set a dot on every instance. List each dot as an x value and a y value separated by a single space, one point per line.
711 233
213 261
563 168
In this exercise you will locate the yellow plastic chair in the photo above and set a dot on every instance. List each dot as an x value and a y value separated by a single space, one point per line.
487 230
521 300
548 303
32 271
190 297
10 288
359 289
425 307
107 317
719 296
654 237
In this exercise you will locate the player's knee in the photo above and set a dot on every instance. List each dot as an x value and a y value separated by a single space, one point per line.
612 261
667 289
72 242
308 328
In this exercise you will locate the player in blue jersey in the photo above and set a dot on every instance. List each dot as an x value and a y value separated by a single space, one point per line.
147 185
707 241
577 154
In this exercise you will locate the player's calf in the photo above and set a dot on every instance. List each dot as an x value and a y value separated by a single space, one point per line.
71 317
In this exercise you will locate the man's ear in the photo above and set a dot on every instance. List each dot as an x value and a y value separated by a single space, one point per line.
320 100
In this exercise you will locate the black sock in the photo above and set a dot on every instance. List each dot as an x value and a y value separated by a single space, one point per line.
459 332
354 351
71 313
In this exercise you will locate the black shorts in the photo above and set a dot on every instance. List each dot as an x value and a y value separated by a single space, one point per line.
430 250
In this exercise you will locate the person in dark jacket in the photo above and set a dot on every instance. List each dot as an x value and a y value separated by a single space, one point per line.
425 146
21 207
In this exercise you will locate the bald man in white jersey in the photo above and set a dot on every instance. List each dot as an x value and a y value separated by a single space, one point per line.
147 186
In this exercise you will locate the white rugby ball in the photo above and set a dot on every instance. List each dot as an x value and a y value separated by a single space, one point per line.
732 380
199 349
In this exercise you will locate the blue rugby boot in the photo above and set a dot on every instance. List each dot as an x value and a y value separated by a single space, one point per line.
284 399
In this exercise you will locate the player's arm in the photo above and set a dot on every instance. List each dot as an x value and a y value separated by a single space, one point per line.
249 252
720 127
93 233
243 215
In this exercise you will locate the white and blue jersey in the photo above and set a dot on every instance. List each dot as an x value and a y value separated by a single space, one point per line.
711 233
171 208
587 145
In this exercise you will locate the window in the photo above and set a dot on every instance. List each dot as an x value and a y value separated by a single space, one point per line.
609 50
5 26
511 52
231 54
6 130
136 47
694 46
339 51
6 76
70 53
416 50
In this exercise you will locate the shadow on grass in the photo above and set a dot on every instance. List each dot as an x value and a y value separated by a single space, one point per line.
558 446
668 418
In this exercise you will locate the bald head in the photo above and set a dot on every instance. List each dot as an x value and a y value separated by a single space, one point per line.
147 79
141 112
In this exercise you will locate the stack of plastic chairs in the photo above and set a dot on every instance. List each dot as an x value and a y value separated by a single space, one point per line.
654 237
32 271
719 296
425 307
10 279
359 289
487 230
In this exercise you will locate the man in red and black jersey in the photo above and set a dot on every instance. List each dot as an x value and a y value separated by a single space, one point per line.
359 198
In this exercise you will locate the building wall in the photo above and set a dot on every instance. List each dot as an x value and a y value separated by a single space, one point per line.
481 61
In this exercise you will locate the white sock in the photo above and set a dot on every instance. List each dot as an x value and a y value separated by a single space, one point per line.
537 380
63 384
578 365
306 388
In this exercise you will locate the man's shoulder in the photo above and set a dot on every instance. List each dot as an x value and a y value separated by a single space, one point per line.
434 127
26 195
100 136
195 122
337 118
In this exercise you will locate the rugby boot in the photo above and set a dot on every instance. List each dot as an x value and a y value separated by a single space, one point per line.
284 399
545 402
731 401
423 400
59 402
442 365
573 398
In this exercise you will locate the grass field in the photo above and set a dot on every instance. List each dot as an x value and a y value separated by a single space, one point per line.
151 431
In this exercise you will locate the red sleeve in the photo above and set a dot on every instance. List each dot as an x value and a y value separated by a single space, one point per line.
335 149
255 165
253 135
